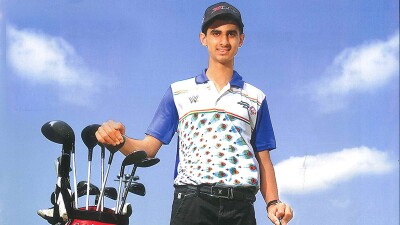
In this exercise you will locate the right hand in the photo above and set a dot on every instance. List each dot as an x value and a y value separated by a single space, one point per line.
110 133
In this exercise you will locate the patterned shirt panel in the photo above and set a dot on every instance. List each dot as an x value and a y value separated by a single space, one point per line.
215 131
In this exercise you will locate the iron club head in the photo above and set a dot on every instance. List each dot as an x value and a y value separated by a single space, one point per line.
82 189
111 193
137 188
134 157
147 162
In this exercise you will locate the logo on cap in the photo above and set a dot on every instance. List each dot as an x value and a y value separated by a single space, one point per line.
222 7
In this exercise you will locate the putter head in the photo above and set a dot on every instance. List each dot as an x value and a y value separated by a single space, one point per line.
137 188
147 162
89 137
59 132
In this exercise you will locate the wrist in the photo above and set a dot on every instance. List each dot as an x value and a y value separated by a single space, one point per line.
273 202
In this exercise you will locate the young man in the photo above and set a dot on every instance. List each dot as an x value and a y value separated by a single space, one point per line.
224 135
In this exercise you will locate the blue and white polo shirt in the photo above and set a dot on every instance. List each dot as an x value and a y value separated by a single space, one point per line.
218 132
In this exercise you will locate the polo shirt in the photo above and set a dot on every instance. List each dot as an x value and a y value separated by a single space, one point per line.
218 132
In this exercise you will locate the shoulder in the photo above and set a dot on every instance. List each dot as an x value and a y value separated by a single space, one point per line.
253 91
183 85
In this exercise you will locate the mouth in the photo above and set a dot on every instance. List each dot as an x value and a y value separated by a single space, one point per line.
223 51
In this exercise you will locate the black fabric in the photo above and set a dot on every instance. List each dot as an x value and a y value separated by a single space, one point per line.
192 207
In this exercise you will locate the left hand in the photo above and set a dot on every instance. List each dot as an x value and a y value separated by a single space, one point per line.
280 214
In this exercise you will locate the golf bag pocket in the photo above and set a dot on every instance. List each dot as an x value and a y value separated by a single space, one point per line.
93 217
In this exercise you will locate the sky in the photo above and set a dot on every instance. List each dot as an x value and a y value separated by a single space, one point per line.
330 71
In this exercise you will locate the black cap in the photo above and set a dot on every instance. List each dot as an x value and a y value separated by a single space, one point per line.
219 9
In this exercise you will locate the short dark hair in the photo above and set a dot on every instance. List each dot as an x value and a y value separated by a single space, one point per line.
223 17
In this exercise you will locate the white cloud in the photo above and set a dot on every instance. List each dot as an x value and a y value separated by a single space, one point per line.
307 174
44 59
359 69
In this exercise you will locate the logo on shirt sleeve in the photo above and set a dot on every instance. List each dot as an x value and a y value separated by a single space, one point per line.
247 106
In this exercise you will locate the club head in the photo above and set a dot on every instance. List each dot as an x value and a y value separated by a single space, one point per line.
89 137
59 132
82 186
134 157
112 149
137 188
148 162
111 193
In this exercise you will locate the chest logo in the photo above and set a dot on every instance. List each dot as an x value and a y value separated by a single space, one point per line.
244 104
194 99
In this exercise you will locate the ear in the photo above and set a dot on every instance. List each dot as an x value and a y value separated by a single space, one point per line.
241 40
203 39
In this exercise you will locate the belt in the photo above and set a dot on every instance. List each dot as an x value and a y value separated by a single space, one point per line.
243 194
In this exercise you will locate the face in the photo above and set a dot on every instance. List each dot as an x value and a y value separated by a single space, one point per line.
223 40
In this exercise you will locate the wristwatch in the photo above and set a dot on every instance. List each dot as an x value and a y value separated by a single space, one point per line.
273 202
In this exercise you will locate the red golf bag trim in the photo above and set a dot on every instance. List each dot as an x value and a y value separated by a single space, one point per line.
93 217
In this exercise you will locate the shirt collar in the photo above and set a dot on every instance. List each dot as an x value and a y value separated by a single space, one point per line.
236 79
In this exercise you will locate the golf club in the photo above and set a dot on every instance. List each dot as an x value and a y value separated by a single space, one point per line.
60 132
90 140
112 150
103 154
144 163
130 159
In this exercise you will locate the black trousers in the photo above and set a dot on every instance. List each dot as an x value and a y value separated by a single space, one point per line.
193 208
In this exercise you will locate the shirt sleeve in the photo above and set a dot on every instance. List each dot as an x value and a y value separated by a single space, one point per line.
263 137
165 120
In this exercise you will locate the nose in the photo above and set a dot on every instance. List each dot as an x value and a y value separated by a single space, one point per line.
224 40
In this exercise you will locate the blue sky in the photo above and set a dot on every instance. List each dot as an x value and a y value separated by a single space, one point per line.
330 70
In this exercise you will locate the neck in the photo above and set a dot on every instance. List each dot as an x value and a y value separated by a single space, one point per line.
220 74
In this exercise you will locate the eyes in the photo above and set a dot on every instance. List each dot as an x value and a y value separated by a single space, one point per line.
230 33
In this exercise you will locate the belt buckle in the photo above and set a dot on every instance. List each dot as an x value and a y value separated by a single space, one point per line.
222 192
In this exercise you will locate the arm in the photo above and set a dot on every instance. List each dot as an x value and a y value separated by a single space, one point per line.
111 133
269 190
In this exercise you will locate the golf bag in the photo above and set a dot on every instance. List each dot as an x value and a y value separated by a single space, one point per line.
65 210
